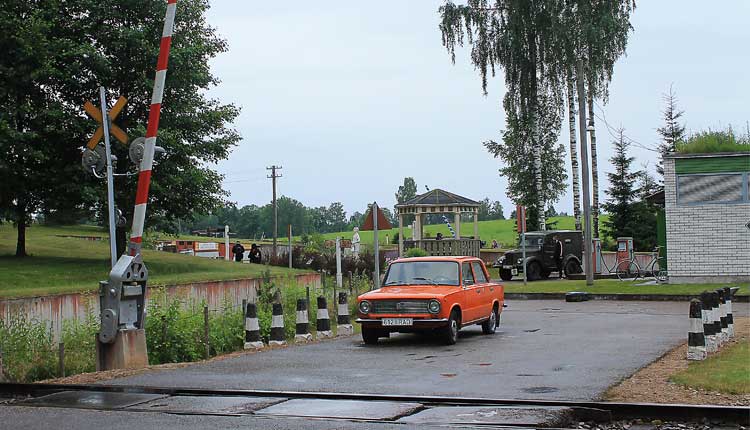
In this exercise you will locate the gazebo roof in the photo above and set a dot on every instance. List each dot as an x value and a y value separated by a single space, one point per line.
438 197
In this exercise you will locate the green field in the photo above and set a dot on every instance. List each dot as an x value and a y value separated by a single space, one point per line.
726 372
504 231
63 265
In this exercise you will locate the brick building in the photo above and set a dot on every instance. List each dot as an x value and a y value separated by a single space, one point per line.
707 205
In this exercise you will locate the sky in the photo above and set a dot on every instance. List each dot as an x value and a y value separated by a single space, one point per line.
349 99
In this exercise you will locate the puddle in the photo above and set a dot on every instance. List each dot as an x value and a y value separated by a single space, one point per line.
539 390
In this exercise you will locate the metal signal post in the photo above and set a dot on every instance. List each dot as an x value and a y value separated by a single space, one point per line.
273 177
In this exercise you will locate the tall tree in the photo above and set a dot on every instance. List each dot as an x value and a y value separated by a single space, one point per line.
515 151
537 43
513 35
44 61
570 96
672 131
621 189
58 54
406 192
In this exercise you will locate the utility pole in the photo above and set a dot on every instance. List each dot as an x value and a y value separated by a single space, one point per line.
587 263
273 177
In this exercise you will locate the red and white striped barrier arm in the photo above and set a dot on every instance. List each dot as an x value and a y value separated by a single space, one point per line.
144 175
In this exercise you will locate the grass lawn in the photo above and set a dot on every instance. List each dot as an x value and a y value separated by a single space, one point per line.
64 265
504 231
726 372
614 286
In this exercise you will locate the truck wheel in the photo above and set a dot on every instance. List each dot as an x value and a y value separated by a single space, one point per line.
489 326
506 275
534 271
572 267
370 336
450 333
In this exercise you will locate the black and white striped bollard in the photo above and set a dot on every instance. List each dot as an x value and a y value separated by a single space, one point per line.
707 315
323 322
277 326
723 315
696 337
344 327
252 328
719 318
730 316
302 333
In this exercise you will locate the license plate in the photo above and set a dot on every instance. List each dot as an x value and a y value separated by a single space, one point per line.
508 266
514 271
398 321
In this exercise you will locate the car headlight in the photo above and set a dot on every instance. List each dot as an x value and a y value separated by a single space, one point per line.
433 306
501 259
365 307
519 261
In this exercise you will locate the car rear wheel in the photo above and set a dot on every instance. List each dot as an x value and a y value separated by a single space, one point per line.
489 326
370 336
450 333
506 275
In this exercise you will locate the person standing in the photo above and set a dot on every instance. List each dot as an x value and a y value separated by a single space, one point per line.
239 252
558 254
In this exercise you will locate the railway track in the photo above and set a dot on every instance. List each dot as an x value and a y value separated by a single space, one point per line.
585 411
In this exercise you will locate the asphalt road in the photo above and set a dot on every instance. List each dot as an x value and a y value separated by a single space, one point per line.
543 350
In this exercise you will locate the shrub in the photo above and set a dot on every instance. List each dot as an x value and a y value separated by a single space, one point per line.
416 252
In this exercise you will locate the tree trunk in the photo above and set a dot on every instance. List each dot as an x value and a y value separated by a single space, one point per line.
594 169
574 154
21 226
536 139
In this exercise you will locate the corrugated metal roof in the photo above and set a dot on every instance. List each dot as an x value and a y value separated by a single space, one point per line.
438 197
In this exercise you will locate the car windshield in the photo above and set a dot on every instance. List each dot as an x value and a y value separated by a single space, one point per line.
422 272
534 241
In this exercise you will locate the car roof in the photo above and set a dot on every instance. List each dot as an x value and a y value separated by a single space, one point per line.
438 258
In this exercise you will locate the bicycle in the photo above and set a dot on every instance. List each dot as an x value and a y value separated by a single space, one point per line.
631 270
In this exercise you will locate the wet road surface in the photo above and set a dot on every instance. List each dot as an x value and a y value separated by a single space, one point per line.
543 350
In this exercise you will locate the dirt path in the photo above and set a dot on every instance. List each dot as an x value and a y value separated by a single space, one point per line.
651 383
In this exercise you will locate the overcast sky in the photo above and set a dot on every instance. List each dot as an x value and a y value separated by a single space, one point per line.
350 98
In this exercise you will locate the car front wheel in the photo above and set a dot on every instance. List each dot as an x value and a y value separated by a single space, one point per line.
534 271
450 333
506 275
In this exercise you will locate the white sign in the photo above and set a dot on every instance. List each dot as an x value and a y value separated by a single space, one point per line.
207 246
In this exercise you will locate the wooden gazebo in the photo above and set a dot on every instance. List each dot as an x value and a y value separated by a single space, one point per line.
439 202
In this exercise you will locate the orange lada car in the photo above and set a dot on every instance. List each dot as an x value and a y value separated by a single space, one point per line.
440 294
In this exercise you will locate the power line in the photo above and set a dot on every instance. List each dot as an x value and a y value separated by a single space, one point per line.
610 129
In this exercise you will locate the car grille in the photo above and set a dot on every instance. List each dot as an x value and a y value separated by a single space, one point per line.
399 307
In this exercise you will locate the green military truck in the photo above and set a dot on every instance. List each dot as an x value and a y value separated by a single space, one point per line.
540 255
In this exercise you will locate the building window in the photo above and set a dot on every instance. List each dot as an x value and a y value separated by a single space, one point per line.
712 188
